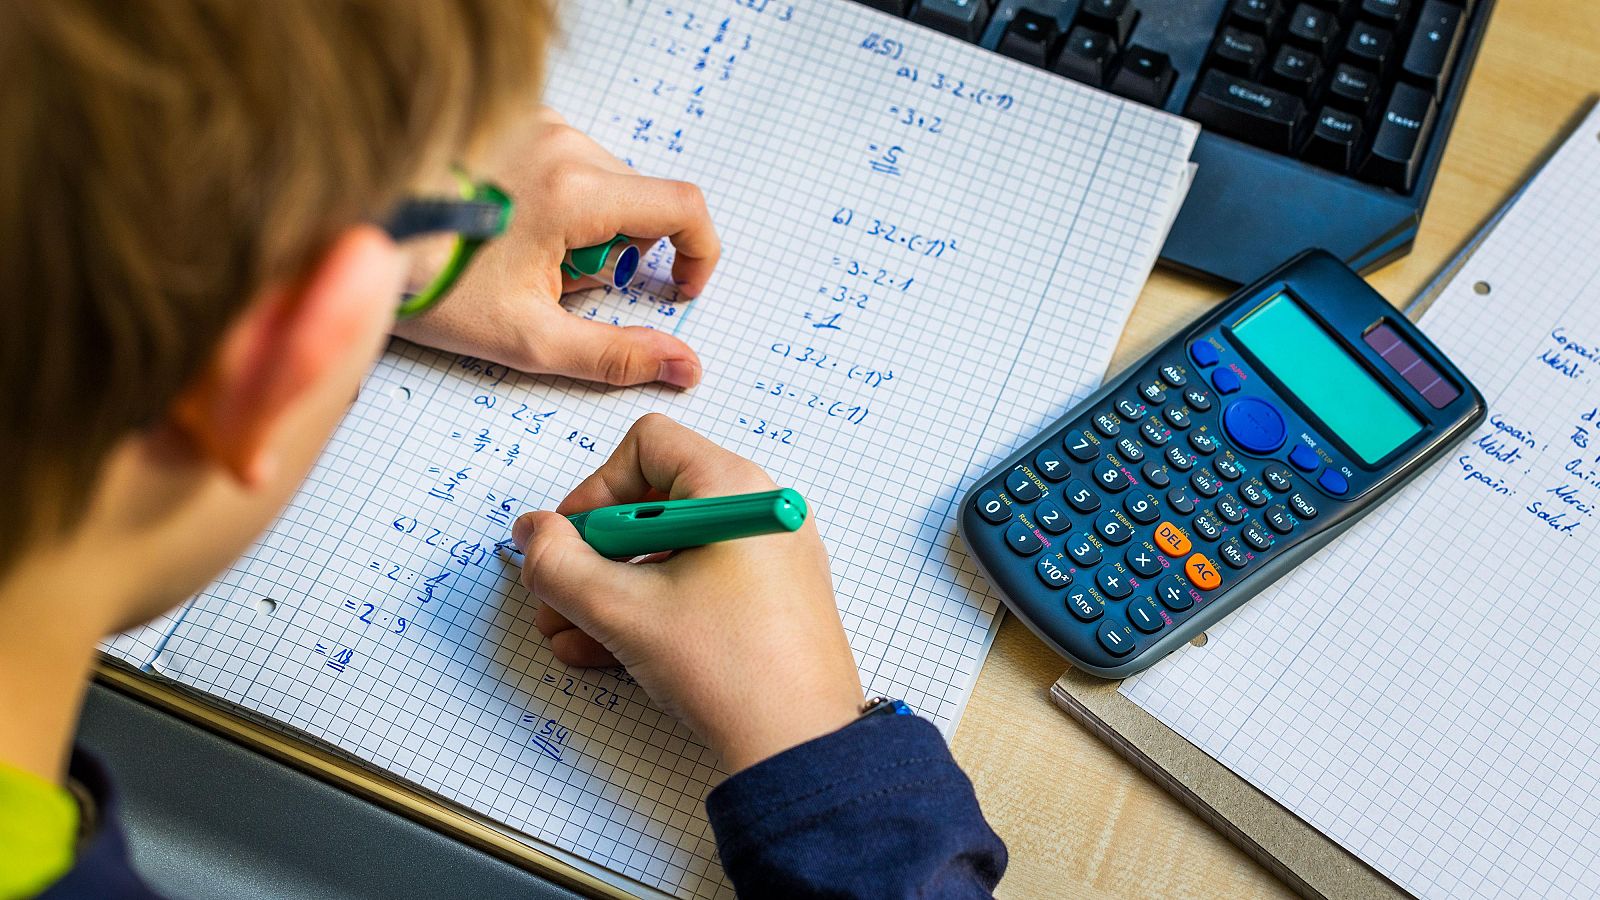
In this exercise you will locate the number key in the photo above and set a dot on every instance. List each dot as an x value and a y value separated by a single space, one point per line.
1051 573
1079 445
1081 496
1082 550
1050 464
1141 508
1110 476
994 510
1051 517
1112 528
1020 486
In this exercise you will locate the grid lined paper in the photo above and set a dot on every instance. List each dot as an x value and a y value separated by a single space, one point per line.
1426 691
929 252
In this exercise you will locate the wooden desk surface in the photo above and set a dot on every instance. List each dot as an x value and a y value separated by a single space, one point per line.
1079 821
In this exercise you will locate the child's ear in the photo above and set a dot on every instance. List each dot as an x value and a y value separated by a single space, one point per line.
292 343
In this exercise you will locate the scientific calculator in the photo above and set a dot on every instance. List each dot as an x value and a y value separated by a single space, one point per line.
1207 470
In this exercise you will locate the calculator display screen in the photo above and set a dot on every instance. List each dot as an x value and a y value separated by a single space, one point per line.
1329 381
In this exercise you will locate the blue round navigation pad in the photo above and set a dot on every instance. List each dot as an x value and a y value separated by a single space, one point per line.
1255 425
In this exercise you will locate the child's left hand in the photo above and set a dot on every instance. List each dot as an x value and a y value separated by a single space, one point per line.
569 193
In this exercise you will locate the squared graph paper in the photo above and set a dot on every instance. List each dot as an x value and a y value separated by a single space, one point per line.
929 252
1426 690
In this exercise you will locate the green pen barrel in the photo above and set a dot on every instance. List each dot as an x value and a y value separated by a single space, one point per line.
636 529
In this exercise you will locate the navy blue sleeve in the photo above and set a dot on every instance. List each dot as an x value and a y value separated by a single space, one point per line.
876 809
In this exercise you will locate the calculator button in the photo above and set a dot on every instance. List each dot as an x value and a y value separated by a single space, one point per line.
1022 539
1130 409
1155 474
1204 483
1174 594
1229 509
1278 476
1020 486
1232 553
1082 550
1051 573
1197 398
1051 517
1112 583
1173 375
1112 528
1225 381
1256 536
1144 563
1155 433
1278 519
1203 443
1141 508
1177 417
1107 424
1254 425
1254 493
1153 392
994 510
1207 526
1145 615
1202 572
1303 507
1081 496
1172 541
1115 639
1079 446
1180 459
1050 464
1205 354
1333 482
1110 476
1129 449
1304 458
1227 467
1084 605
1178 498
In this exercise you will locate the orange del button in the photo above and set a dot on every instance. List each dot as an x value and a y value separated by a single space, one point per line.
1202 573
1171 540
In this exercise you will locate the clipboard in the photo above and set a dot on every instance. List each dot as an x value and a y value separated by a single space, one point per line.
1311 864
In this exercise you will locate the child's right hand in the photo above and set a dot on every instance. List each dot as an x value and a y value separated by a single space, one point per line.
740 639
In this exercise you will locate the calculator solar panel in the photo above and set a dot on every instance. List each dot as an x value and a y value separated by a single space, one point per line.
1324 120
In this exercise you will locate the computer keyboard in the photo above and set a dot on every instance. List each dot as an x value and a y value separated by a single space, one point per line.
1324 120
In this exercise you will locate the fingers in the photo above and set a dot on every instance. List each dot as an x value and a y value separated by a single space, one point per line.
659 457
565 573
655 207
570 644
598 351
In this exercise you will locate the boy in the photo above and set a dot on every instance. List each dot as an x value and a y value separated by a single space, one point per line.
195 288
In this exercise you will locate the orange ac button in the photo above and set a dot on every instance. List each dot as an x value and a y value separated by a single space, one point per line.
1202 572
1172 541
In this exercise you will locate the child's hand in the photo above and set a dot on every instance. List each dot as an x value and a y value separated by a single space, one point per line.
571 193
740 639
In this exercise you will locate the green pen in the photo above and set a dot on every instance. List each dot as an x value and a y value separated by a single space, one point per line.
615 262
637 529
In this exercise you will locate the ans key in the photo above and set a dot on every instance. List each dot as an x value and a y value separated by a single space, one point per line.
1250 111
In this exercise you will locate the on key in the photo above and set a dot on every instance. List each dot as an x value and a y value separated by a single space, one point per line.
1433 46
1402 138
958 18
1030 37
1249 111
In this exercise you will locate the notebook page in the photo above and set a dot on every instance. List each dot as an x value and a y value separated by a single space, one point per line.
929 251
1426 691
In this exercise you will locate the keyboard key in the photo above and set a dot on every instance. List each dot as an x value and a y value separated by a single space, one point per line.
1143 562
1051 573
1145 615
1112 529
1225 380
1108 424
1232 553
1278 519
958 18
1402 138
1082 550
1204 483
1050 464
1304 458
1115 639
1313 28
1112 583
1180 459
994 510
1369 46
1390 12
1294 70
1086 56
1302 506
1081 497
1172 541
1155 474
1259 16
1432 52
1155 432
1205 354
1020 486
1238 52
1084 605
1080 446
1230 509
1254 493
1022 539
1129 449
1110 476
1353 89
1174 594
1051 517
1177 417
892 7
1206 525
1145 76
1203 443
1141 507
1114 17
1180 501
1198 399
1333 482
1256 536
1278 476
1335 140
1202 572
1251 112
1173 376
1153 392
1030 37
1227 467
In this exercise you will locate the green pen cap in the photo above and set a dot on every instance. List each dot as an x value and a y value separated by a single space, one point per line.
614 263
635 529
